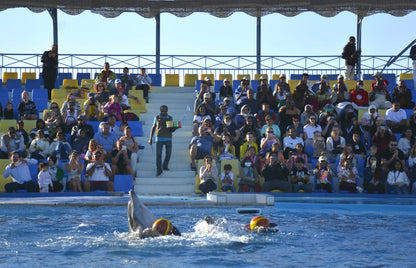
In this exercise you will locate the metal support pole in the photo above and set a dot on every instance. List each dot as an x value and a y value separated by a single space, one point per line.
258 45
359 24
54 15
157 17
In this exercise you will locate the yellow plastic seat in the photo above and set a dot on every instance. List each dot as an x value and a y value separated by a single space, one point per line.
27 76
4 181
6 123
203 76
197 182
293 84
81 102
223 76
257 76
59 93
241 76
70 84
235 169
276 76
45 112
89 83
406 76
171 80
59 101
141 107
351 84
9 75
367 85
190 80
29 125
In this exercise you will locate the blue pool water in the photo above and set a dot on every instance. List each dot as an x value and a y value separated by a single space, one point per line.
311 235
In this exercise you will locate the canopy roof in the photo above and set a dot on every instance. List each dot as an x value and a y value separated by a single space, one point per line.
218 8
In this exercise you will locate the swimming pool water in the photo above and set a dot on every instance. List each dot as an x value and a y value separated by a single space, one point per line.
311 235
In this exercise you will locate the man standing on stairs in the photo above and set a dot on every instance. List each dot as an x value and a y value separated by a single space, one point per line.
163 137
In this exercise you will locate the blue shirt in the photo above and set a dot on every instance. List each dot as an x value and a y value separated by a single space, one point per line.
107 143
204 144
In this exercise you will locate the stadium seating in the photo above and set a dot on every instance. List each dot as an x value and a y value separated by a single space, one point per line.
273 83
9 75
203 76
5 124
406 76
223 76
13 83
254 85
136 128
217 85
94 124
235 168
39 94
59 93
367 85
410 84
32 83
61 77
4 181
236 84
156 79
293 84
276 77
26 76
351 84
123 183
198 85
4 97
241 76
88 83
16 98
172 80
190 80
81 76
28 125
70 83
133 103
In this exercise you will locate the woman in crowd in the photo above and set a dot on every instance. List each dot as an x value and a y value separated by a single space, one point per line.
373 180
101 96
348 176
27 108
74 168
335 143
208 175
39 147
53 118
249 177
200 115
407 141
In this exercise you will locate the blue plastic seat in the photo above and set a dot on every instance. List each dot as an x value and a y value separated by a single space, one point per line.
136 128
197 85
4 97
13 83
94 125
217 85
123 183
33 83
315 77
39 94
236 84
309 152
254 85
16 97
156 79
296 77
273 83
81 76
61 77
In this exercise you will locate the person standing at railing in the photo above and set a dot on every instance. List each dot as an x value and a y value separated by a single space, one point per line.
350 54
50 68
413 57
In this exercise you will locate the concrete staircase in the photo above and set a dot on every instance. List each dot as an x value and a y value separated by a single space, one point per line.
180 180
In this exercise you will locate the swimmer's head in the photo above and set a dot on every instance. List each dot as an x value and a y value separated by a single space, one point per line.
209 220
259 221
163 226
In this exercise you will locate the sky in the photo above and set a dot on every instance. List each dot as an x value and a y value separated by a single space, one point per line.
24 31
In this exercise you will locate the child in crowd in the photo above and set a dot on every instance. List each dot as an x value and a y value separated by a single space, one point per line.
250 142
8 111
44 178
299 153
227 150
318 144
373 152
397 179
56 173
347 176
227 179
299 177
323 174
357 145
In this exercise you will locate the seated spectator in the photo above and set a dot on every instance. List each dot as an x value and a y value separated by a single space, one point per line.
70 117
323 83
328 124
227 127
369 118
98 174
242 116
249 177
208 175
335 143
92 147
143 82
382 138
53 118
297 126
113 128
200 146
412 121
319 145
126 80
373 180
65 106
357 145
348 155
294 155
323 95
40 124
106 138
60 147
310 128
114 107
323 174
101 96
57 174
249 142
200 115
286 113
240 93
251 102
44 178
219 117
299 177
74 169
20 172
249 126
131 144
379 96
226 90
355 127
301 91
281 90
92 108
412 168
380 81
389 157
290 142
270 123
396 118
39 147
403 95
124 95
261 116
27 108
308 111
227 179
12 142
397 179
267 142
81 125
347 114
106 76
264 94
207 97
358 95
275 175
348 175
120 159
229 106
328 110
227 149
8 112
20 130
407 141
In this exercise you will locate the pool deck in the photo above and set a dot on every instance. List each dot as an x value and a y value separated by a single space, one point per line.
121 199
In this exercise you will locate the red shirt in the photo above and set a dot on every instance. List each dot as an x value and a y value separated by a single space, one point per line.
359 97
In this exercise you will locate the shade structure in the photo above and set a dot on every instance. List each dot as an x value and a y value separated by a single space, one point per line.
218 8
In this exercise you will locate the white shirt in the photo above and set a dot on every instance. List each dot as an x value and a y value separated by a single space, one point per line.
15 144
21 173
396 116
309 130
143 80
99 172
291 143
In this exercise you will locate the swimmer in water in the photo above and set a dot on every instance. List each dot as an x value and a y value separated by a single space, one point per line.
258 224
161 227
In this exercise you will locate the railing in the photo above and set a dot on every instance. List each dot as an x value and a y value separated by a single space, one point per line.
198 64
